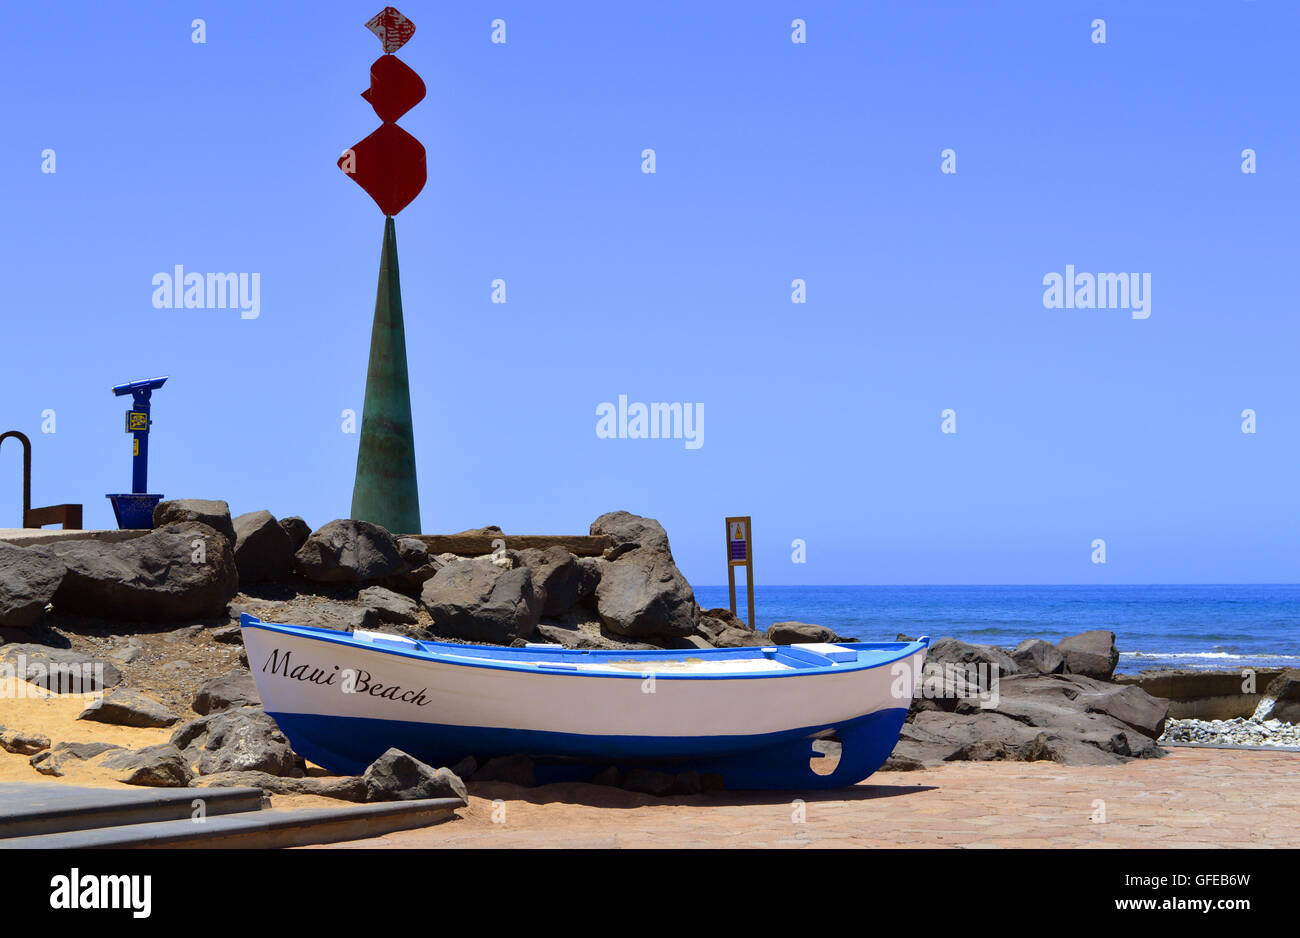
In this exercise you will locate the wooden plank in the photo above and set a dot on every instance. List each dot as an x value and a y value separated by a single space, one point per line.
475 545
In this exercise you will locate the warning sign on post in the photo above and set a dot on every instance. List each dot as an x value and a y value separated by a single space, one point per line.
738 540
740 553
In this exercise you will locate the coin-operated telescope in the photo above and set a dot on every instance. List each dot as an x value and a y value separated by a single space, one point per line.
135 510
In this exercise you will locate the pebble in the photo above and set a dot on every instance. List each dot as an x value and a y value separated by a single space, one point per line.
1235 732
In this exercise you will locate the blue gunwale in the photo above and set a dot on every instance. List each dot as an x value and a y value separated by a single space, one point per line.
529 660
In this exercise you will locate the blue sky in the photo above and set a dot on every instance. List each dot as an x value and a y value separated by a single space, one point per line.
775 161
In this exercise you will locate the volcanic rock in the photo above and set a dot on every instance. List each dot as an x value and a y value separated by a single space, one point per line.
263 549
1036 656
181 571
215 514
297 529
478 600
556 571
396 776
346 551
162 766
29 577
389 606
126 707
790 633
235 688
236 740
1092 654
60 669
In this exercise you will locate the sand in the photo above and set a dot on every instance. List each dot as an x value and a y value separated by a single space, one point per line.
1191 798
33 710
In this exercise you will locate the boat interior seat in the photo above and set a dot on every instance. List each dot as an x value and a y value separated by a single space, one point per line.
803 656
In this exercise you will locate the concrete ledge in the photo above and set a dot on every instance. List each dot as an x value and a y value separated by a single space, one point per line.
255 829
1202 695
29 537
34 808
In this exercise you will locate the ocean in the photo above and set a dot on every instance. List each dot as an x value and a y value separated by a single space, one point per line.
1209 627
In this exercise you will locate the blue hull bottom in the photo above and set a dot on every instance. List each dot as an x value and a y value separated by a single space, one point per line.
347 745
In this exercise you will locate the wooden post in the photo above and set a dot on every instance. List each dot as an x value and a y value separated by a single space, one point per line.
740 553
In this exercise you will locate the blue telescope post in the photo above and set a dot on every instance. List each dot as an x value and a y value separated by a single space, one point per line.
136 509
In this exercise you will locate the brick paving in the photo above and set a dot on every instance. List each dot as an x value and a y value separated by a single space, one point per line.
1190 798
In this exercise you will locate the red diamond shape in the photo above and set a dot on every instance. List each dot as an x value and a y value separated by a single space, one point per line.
389 165
392 28
394 88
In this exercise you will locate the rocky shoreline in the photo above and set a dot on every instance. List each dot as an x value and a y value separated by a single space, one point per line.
152 622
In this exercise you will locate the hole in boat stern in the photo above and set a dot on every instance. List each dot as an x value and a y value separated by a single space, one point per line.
826 754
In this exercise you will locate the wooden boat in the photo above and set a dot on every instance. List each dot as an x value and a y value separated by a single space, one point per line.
750 715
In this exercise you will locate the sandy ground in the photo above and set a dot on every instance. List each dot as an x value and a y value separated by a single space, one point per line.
1192 798
33 710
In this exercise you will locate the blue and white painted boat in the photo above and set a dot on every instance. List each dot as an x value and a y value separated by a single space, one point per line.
751 715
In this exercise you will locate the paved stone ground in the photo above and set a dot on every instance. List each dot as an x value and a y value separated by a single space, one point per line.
1191 798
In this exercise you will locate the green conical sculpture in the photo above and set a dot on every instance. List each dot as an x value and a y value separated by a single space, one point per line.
386 492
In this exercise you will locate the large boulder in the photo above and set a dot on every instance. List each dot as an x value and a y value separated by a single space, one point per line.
263 549
329 614
61 670
589 572
215 514
581 628
793 633
723 629
297 529
1065 718
237 740
29 577
346 551
396 776
1092 654
389 606
556 571
1129 704
1037 656
482 601
627 532
641 592
181 571
420 567
126 707
235 688
951 651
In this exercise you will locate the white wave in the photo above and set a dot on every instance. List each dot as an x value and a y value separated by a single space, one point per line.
1263 656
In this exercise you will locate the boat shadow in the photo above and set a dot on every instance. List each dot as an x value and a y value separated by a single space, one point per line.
607 796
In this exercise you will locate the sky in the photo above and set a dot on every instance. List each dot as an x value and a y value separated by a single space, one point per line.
775 161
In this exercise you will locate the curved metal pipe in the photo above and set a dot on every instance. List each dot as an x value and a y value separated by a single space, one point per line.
27 468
